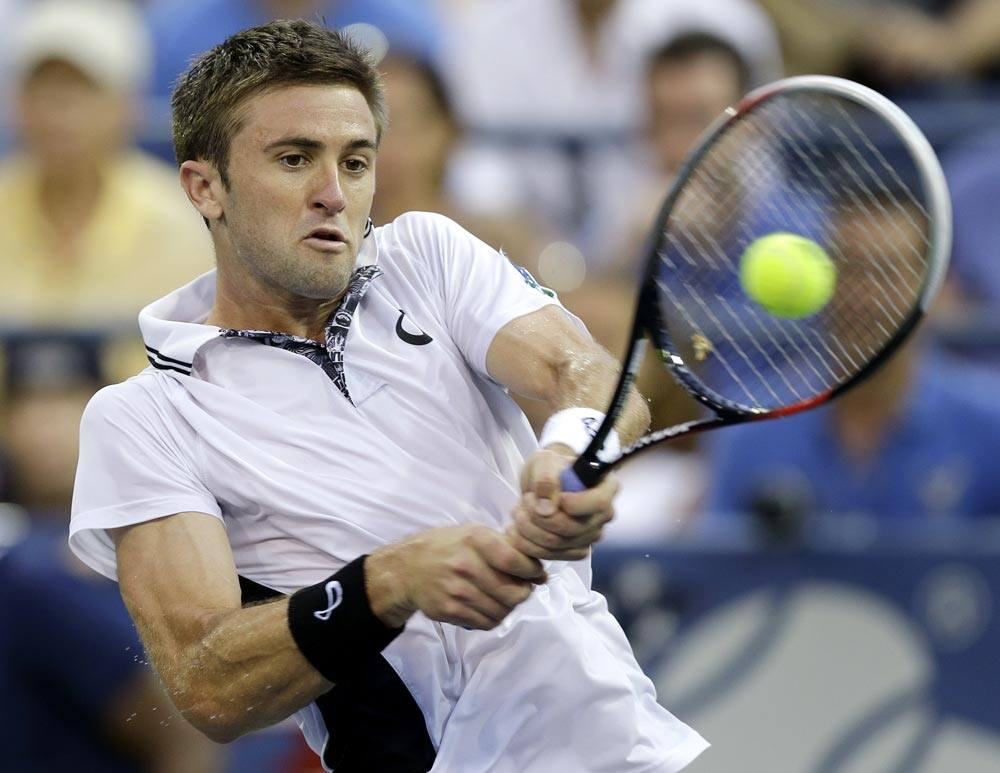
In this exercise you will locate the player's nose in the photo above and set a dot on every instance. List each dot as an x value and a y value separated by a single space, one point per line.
328 194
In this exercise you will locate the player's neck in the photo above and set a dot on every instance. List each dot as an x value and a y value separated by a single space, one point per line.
244 303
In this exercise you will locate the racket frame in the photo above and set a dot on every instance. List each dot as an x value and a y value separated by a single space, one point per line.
588 470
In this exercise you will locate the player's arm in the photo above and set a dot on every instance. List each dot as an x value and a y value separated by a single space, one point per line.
230 670
544 356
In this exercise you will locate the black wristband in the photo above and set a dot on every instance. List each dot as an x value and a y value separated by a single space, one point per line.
333 624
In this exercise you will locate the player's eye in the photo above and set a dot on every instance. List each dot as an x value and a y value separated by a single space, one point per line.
356 165
293 161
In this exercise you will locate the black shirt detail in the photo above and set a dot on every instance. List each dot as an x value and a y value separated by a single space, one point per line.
374 724
330 357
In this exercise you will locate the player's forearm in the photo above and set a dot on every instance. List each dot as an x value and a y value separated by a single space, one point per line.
588 379
245 672
544 356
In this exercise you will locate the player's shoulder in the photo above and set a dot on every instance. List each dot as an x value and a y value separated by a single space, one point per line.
125 403
418 229
421 246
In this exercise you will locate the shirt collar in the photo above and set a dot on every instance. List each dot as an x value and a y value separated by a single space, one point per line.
173 328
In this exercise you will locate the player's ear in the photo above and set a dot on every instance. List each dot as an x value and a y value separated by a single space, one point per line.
203 185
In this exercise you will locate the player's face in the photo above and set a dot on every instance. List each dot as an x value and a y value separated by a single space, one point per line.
302 177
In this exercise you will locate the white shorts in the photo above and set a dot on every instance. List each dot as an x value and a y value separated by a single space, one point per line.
554 688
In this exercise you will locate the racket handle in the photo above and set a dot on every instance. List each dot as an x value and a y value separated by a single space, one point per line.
570 481
583 474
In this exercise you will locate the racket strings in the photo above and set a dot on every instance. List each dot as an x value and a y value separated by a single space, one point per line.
845 209
836 193
813 166
801 227
890 171
824 382
707 254
780 351
858 334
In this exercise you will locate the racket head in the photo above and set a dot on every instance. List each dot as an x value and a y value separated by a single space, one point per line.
814 156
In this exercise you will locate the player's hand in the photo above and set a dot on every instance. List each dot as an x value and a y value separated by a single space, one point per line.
466 575
552 524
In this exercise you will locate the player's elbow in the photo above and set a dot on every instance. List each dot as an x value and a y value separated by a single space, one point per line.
216 721
215 727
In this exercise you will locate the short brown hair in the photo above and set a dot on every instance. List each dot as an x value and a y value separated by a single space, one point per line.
207 98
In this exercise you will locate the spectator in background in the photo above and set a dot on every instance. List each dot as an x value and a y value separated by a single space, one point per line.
415 157
964 41
973 172
183 29
916 439
889 44
555 102
689 81
90 229
6 14
77 694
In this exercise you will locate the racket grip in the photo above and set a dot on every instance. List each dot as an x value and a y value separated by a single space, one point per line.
570 481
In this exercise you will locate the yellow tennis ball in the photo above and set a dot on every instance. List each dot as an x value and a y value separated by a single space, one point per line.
789 275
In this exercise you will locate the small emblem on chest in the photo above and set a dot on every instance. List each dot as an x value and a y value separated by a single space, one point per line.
416 339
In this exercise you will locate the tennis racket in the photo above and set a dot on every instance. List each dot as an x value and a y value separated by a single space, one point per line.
816 156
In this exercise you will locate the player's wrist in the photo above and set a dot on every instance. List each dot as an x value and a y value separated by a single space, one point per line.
387 586
572 430
334 625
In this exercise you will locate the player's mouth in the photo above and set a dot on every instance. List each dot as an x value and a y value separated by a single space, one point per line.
326 239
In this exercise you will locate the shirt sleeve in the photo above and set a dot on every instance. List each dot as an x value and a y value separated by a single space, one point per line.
132 468
479 289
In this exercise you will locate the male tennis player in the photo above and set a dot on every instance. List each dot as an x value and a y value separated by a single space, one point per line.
333 399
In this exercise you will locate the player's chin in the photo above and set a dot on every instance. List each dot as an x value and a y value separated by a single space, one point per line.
316 282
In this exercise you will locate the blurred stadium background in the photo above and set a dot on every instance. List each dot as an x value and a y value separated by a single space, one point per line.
816 596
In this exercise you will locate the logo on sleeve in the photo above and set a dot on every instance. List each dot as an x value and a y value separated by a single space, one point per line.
334 595
533 283
419 338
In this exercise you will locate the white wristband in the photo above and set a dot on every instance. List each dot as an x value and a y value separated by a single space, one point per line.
575 428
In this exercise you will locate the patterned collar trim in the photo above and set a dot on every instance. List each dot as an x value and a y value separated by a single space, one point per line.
173 327
330 357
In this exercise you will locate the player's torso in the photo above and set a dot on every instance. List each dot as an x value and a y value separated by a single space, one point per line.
307 478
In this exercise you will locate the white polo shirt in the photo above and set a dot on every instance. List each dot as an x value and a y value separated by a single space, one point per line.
401 430
261 438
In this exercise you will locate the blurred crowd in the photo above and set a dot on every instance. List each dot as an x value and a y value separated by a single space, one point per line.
550 129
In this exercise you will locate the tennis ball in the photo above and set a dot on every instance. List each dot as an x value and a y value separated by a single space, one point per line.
789 275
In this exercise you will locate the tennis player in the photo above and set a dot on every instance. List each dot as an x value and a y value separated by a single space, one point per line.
325 429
